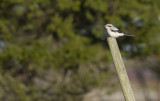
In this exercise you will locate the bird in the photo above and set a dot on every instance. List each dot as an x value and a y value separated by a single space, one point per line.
114 32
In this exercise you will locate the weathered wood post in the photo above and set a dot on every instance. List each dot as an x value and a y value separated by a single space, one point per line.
120 68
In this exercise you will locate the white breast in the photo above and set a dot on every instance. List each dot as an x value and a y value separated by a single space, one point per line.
114 34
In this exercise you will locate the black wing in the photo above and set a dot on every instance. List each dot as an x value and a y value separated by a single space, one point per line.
114 29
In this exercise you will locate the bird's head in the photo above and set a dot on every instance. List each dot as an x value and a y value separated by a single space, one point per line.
108 26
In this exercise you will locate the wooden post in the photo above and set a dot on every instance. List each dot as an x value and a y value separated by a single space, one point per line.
120 68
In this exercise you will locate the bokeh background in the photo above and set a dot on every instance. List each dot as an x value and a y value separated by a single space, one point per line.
56 50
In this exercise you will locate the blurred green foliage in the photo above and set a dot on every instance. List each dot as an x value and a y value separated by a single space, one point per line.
52 50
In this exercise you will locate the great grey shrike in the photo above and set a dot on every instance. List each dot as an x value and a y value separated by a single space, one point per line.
114 32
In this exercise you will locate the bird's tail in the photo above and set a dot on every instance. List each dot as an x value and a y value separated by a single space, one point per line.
128 35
